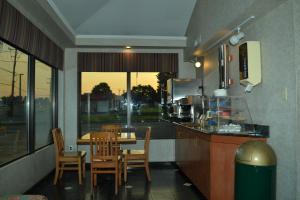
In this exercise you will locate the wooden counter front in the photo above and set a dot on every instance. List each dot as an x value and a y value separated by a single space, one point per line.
208 160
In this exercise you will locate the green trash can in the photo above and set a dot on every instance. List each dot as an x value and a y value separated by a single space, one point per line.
255 172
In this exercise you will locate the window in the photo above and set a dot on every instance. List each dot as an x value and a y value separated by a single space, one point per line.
145 98
43 104
19 121
102 100
13 97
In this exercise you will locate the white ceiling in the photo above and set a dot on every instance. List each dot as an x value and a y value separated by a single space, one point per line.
125 17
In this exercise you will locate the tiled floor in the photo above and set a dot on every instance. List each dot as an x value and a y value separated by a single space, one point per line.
167 184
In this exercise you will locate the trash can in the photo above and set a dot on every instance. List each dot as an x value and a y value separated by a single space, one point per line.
255 172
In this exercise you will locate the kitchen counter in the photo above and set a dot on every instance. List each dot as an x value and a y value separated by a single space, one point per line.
207 159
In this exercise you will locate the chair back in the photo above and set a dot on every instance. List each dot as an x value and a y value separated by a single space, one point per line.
104 146
111 128
147 140
58 141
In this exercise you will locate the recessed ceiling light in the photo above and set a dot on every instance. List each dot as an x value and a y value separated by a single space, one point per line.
128 47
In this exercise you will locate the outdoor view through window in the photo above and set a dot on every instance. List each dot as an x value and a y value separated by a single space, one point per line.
13 96
104 99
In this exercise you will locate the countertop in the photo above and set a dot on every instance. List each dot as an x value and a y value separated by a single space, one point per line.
197 128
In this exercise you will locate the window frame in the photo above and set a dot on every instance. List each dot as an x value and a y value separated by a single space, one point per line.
30 109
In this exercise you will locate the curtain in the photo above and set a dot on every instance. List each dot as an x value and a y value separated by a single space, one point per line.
127 62
18 30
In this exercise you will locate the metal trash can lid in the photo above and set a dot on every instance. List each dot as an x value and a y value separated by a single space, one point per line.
255 153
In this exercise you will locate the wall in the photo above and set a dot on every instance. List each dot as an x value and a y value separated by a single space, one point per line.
68 83
296 6
267 104
213 19
19 176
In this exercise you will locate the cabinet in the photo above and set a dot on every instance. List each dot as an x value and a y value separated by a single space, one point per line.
208 160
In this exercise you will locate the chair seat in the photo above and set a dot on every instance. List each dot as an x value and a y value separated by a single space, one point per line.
74 153
133 152
105 160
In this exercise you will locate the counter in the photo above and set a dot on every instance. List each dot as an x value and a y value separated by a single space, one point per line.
207 159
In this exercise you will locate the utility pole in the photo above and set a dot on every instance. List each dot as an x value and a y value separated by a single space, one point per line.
13 74
11 111
20 85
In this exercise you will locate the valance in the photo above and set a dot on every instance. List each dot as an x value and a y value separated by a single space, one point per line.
127 62
18 30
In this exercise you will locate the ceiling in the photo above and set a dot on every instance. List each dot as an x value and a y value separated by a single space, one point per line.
111 23
125 17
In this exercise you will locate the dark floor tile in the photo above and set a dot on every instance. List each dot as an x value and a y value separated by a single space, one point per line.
167 184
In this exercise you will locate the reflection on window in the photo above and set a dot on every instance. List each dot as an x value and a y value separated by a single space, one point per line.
13 96
43 104
102 100
145 98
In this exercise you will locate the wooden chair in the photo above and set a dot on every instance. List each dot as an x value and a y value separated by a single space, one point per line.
67 160
138 158
105 157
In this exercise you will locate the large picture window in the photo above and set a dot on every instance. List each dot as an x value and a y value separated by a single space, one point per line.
132 99
23 127
13 98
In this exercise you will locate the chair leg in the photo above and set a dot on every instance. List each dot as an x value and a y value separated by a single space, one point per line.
147 171
120 173
95 179
56 174
83 167
125 170
79 171
61 170
116 181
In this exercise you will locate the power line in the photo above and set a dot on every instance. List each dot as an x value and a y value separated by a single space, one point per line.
5 84
3 69
12 61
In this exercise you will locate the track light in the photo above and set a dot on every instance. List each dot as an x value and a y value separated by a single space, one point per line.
235 39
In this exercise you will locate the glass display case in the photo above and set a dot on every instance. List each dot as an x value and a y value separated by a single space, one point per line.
227 114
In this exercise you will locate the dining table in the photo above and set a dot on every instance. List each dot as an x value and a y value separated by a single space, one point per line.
123 138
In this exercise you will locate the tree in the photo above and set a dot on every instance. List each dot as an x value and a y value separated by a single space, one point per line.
102 89
143 94
162 79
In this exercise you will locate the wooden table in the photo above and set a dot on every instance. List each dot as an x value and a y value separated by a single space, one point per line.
123 138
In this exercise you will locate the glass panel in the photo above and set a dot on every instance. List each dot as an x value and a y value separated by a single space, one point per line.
146 108
13 110
43 104
102 100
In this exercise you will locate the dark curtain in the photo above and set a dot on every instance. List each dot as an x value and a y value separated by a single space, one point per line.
127 62
18 30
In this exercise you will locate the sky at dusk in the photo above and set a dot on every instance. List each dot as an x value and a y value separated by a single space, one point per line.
42 78
116 80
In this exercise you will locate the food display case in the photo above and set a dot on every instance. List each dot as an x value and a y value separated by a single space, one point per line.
227 114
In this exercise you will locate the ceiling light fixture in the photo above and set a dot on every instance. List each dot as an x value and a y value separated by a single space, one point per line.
128 47
235 39
198 64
